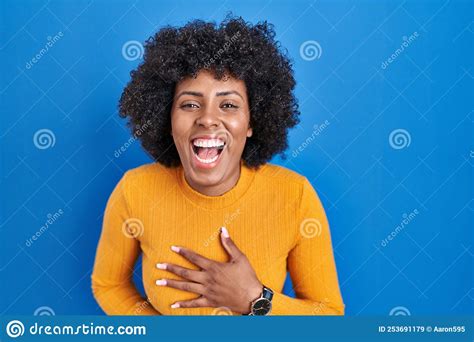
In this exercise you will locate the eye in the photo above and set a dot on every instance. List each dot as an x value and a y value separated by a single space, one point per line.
189 105
229 105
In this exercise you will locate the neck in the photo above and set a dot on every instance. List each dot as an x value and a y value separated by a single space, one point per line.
218 189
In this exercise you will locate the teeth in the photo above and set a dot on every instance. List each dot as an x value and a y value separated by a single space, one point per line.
207 161
208 143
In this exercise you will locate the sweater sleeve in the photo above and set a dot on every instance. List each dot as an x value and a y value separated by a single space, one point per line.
116 255
311 264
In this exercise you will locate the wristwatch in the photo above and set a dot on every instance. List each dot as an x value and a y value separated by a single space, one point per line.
262 306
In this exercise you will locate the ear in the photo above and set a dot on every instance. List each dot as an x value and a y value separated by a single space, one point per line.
249 132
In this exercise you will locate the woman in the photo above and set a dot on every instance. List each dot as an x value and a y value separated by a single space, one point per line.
217 225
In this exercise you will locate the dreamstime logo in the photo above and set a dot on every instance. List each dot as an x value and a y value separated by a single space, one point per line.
406 220
218 55
225 136
44 50
310 50
227 220
52 218
319 307
132 50
317 130
141 306
222 311
132 228
400 311
15 328
44 311
139 130
399 139
310 228
44 138
407 41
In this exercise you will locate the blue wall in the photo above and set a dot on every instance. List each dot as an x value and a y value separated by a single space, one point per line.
382 138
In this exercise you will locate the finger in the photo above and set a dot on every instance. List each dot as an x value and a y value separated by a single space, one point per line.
200 302
229 245
182 285
193 257
186 273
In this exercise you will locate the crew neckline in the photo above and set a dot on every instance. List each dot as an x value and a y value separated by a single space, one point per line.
243 184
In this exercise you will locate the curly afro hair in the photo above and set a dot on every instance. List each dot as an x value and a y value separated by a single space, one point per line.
236 48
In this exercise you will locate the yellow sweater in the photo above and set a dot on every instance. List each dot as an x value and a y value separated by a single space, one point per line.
273 215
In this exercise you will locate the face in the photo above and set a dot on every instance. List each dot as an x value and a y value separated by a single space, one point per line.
210 125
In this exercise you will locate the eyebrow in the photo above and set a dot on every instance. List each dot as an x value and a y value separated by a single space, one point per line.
198 94
224 93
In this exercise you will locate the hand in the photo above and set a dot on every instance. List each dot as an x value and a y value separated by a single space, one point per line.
231 284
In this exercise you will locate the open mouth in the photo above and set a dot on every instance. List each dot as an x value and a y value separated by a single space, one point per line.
207 150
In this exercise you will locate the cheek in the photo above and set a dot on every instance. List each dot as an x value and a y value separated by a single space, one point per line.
180 126
238 130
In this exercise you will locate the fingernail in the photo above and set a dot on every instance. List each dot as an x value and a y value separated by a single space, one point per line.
161 282
175 249
161 266
175 306
224 232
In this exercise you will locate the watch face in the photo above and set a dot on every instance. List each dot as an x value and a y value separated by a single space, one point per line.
262 307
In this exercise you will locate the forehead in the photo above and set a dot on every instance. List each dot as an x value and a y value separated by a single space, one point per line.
205 82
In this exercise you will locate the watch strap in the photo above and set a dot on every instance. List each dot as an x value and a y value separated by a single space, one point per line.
267 293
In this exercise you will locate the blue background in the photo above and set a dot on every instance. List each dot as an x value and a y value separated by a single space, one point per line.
365 184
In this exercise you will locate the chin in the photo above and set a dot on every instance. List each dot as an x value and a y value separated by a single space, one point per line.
206 180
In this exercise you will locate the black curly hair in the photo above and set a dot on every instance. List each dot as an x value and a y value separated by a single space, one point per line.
242 50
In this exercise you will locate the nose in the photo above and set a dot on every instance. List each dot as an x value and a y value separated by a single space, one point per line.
208 118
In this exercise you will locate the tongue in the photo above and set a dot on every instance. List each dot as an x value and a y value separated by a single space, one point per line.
207 152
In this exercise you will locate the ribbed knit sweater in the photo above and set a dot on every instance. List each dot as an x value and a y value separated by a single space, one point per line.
272 214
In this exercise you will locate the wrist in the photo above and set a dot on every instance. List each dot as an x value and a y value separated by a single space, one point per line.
253 293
